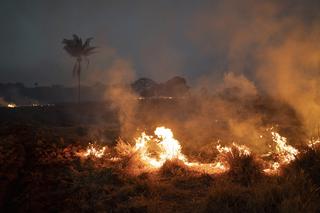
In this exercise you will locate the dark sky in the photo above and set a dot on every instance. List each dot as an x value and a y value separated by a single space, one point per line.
159 38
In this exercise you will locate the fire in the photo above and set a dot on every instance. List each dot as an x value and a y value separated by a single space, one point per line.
286 152
150 152
93 151
314 142
243 150
12 105
168 148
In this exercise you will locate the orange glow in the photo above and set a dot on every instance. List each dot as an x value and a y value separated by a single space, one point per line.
93 151
150 152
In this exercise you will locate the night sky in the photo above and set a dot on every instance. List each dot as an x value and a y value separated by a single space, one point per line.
159 39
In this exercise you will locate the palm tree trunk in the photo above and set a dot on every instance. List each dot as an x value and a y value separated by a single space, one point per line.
79 71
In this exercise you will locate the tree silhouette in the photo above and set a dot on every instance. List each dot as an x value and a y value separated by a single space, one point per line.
79 50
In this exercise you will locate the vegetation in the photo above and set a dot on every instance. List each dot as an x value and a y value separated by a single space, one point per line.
40 172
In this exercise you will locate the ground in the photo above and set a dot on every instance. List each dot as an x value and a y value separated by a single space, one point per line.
40 172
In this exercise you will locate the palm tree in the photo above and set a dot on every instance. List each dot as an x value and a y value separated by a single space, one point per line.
76 48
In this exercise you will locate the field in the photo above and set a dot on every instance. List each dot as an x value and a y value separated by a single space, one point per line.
41 171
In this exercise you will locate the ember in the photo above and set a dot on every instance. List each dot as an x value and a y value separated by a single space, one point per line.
93 150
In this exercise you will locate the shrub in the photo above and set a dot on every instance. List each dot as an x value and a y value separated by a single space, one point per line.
309 162
244 169
174 168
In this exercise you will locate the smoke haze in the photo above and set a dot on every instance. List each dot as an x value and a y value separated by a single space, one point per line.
237 56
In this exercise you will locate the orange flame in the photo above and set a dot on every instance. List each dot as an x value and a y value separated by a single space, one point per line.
169 149
93 151
154 150
285 152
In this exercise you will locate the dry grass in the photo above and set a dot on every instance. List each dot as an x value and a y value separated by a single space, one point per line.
40 173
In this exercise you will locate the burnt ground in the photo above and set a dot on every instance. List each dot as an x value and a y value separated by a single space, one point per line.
40 173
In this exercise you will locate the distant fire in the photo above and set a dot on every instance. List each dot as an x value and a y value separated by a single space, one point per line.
153 151
35 105
11 105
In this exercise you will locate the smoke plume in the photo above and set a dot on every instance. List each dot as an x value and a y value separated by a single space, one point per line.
122 98
274 43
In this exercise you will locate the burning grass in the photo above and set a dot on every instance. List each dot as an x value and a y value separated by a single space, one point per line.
151 153
48 172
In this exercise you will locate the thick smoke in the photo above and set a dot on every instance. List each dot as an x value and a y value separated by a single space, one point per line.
290 72
226 114
275 43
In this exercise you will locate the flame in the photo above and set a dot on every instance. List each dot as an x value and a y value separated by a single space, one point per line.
285 153
272 168
93 151
169 149
313 142
242 149
154 150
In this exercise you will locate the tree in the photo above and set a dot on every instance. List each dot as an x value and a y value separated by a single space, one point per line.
79 50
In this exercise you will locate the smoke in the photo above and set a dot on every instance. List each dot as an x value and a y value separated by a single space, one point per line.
225 115
240 82
270 77
288 69
274 43
290 72
122 98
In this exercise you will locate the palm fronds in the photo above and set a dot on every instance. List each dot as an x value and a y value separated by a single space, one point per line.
76 48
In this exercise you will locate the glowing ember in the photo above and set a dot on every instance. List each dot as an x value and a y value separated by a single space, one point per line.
273 168
242 149
93 151
314 142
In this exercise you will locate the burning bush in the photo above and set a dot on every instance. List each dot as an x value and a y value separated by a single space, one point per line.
244 168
